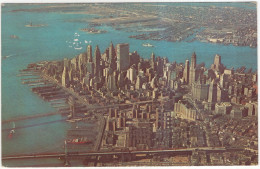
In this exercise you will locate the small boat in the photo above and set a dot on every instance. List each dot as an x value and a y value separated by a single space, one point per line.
147 45
76 40
5 57
86 41
78 48
14 37
11 133
31 25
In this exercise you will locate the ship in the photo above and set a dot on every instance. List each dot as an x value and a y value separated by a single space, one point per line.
38 25
78 48
83 140
11 133
147 45
14 37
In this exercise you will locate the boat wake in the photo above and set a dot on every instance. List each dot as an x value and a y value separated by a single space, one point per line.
5 57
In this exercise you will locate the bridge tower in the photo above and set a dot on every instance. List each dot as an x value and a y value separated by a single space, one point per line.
66 163
72 104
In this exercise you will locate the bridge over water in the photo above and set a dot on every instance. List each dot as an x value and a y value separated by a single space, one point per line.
105 153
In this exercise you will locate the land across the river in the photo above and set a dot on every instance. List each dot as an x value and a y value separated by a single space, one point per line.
170 22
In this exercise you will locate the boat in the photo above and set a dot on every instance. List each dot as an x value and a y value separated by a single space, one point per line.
38 25
76 40
86 41
14 37
83 140
11 133
78 48
5 57
147 45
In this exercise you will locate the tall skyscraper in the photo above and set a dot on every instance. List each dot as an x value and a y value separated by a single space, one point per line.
65 78
131 74
89 53
217 65
122 56
193 60
97 58
186 72
112 53
192 75
153 60
212 92
112 57
111 85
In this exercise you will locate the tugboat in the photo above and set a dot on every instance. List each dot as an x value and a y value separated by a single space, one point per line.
11 133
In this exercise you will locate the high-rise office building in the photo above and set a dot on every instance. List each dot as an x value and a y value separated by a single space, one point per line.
65 78
153 60
97 58
131 74
122 56
212 92
89 53
186 72
199 91
192 75
112 57
217 65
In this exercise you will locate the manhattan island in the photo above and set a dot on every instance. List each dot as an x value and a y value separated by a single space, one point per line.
154 111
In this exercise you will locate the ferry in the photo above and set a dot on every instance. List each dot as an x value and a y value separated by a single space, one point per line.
147 45
11 133
82 140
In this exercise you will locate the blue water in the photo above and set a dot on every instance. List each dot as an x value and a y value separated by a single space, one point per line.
53 43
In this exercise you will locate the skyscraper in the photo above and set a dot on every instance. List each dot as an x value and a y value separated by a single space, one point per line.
131 74
112 57
122 56
65 78
97 58
192 75
186 72
153 60
212 92
199 91
89 53
217 65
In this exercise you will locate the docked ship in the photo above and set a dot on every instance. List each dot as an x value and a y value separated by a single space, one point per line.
147 45
82 140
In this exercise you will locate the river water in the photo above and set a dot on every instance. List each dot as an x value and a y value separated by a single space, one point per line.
54 42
